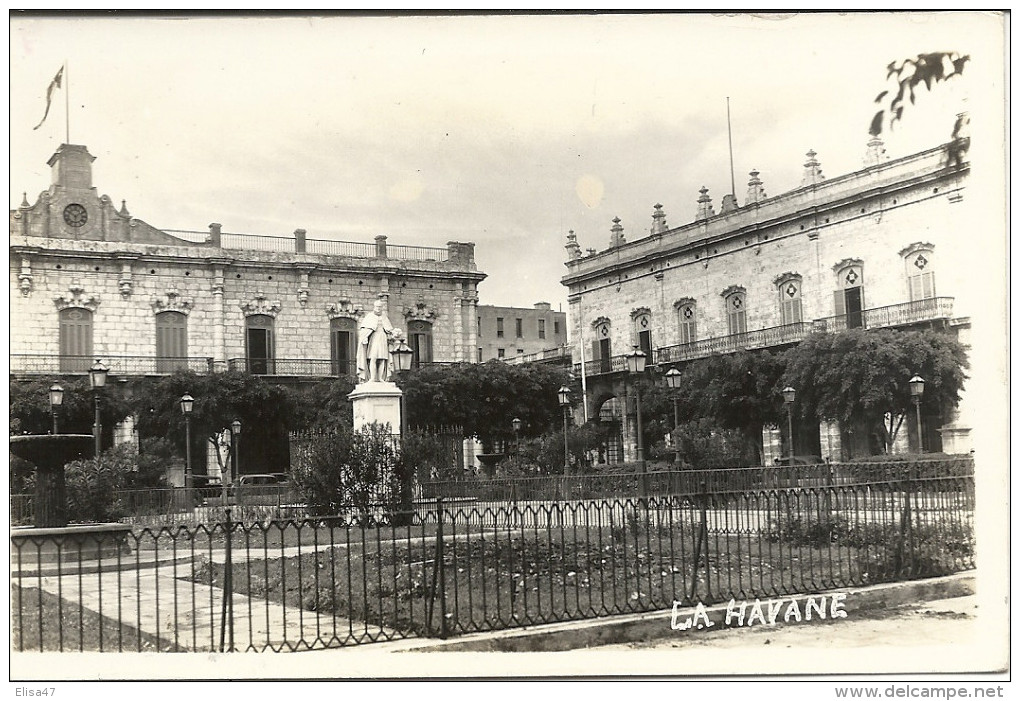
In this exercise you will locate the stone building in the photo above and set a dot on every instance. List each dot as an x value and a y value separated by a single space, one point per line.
874 248
90 281
519 334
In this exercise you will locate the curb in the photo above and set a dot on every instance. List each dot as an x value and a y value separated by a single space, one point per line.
558 637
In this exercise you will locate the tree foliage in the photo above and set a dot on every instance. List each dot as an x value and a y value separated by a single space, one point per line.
907 77
484 398
29 406
860 376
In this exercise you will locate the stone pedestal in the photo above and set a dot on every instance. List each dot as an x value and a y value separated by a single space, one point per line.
378 402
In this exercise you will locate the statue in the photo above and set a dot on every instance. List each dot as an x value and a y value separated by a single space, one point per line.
374 334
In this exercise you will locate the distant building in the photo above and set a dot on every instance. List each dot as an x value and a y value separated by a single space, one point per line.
875 248
90 281
520 334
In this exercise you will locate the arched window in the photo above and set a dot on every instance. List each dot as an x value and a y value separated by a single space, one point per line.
171 341
920 259
687 320
791 309
259 344
343 343
736 310
849 295
643 331
419 337
75 340
602 345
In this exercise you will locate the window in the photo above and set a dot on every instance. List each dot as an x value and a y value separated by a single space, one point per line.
688 322
921 275
520 351
519 327
171 341
420 339
556 328
643 332
499 327
541 328
75 340
790 306
501 352
259 343
479 326
736 312
602 347
479 355
343 344
848 301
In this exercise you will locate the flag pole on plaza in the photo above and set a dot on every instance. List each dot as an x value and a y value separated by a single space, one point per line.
67 103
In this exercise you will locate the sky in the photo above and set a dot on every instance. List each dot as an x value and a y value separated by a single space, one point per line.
506 131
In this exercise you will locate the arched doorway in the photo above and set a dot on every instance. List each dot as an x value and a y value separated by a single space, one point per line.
610 415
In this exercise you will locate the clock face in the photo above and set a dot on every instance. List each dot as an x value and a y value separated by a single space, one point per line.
75 215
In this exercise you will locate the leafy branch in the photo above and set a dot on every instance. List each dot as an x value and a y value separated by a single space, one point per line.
927 70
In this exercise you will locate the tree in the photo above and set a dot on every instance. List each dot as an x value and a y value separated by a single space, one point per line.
266 413
484 398
910 74
860 377
29 406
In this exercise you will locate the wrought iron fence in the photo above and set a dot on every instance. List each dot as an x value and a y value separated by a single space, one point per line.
450 569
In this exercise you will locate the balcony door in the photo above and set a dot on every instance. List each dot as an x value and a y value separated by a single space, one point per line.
171 341
259 342
343 345
854 308
75 340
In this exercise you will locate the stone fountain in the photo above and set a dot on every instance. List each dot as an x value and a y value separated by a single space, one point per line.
51 537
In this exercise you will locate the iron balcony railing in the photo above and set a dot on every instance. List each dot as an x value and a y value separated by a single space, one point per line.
539 356
293 367
931 309
603 366
749 340
47 364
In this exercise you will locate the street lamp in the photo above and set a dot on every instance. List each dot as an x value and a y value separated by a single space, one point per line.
56 400
187 404
673 381
916 392
97 378
517 438
402 355
564 395
235 441
636 365
789 396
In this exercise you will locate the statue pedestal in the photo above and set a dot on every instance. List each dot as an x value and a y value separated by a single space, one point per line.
376 402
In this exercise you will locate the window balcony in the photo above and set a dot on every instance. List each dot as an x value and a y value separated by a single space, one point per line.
905 314
54 364
749 340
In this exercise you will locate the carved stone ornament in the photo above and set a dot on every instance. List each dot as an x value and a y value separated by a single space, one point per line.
601 321
76 297
343 309
733 289
915 247
635 313
684 302
261 305
172 301
420 311
786 277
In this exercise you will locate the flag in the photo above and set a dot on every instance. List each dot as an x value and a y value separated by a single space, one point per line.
49 95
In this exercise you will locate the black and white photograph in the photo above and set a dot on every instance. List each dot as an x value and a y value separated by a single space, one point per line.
509 345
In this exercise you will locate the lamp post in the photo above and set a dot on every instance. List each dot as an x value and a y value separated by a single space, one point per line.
916 392
673 381
56 400
517 438
564 396
235 441
636 365
402 360
789 396
97 378
187 404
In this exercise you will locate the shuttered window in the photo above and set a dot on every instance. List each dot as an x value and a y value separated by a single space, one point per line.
75 340
687 319
343 346
736 313
420 340
790 305
171 341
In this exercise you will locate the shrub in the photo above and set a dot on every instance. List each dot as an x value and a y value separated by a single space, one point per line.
93 486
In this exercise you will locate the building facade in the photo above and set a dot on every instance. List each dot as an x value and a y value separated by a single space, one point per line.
875 248
89 280
518 334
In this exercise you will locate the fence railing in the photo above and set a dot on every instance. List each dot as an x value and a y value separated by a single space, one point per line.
53 364
298 367
454 568
760 338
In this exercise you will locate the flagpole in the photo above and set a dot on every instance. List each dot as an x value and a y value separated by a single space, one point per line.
67 104
729 133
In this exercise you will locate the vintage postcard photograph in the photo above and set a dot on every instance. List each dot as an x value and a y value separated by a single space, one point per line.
509 345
